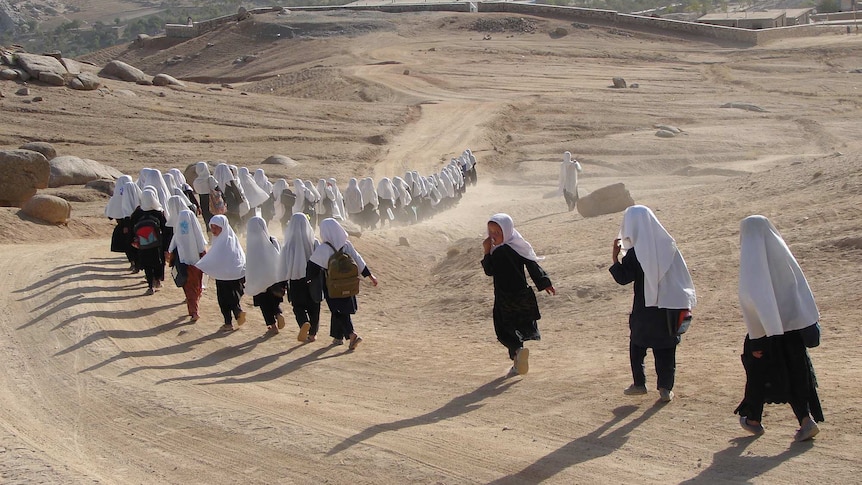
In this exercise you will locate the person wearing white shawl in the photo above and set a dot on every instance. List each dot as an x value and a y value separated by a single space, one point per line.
299 244
781 318
175 205
353 202
301 196
187 247
151 260
202 187
153 178
324 202
507 255
386 201
267 208
312 197
334 237
471 174
283 200
176 188
252 192
404 210
262 274
568 186
341 215
663 294
225 262
114 210
232 193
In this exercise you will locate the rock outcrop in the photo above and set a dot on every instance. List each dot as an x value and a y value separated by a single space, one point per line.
606 200
24 172
48 208
71 170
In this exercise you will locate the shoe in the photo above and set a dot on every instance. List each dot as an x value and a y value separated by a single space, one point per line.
150 291
303 332
240 319
273 329
279 319
522 361
226 328
337 341
310 338
195 317
135 271
158 285
512 372
634 390
354 342
808 430
666 395
755 429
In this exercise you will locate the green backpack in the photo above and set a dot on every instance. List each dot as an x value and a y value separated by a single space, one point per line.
342 274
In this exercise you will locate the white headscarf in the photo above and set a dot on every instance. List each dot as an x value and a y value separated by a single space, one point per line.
667 282
223 176
188 240
569 174
261 268
353 197
262 181
369 193
153 178
226 260
512 237
300 192
339 200
179 178
149 200
331 232
299 243
253 193
773 293
201 183
131 198
385 190
278 188
175 206
403 191
114 208
175 189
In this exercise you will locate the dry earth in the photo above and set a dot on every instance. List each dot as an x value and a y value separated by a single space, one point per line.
103 385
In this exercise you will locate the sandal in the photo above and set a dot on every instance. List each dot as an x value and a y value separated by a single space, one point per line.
354 341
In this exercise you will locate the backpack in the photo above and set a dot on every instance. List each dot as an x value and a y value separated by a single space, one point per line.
217 204
342 275
148 233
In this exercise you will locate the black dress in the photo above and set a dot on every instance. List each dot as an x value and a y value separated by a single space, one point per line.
506 266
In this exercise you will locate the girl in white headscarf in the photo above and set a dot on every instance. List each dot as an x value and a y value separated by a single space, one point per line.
252 192
232 193
225 262
299 244
267 208
507 254
262 275
312 197
353 202
369 216
301 196
283 200
187 247
333 238
175 205
114 210
780 315
404 211
386 201
338 198
202 186
150 258
568 187
663 293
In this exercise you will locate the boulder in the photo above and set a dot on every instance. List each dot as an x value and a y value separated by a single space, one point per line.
105 186
24 171
166 80
280 160
8 74
85 81
42 147
74 67
606 200
71 170
665 134
22 74
35 64
619 83
52 78
48 208
122 71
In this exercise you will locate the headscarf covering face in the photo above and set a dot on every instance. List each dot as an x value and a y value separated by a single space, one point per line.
512 237
114 208
353 197
201 183
188 240
262 181
261 269
299 244
176 204
149 200
773 293
667 281
331 232
131 198
225 260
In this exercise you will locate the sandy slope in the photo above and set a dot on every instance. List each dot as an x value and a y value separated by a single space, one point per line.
101 384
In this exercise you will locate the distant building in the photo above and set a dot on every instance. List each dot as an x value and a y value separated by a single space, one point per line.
766 19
